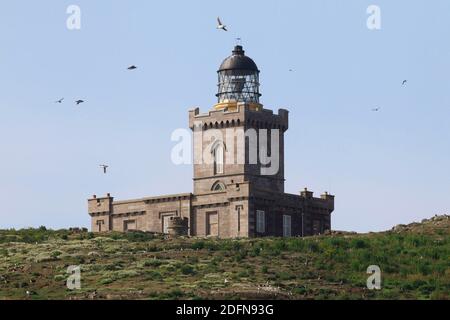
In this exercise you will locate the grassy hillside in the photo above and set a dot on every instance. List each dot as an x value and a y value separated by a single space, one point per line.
414 260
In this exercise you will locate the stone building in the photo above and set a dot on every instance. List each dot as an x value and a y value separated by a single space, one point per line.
238 180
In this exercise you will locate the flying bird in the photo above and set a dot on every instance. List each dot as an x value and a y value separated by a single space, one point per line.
59 101
376 109
404 82
79 102
105 167
220 25
133 67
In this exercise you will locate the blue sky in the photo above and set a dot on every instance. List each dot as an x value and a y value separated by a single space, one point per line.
384 167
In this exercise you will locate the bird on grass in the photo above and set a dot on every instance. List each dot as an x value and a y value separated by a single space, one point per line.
220 25
105 168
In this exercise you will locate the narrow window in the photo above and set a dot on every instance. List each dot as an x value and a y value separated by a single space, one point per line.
260 221
238 209
286 226
99 225
218 158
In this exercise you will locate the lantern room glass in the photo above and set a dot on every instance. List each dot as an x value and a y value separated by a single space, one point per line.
238 86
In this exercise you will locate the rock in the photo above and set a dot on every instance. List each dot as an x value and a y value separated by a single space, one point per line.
399 227
92 295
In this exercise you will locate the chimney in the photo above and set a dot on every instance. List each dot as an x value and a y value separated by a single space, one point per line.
327 196
306 194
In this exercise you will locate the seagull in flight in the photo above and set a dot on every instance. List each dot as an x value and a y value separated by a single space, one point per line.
376 109
133 67
105 167
220 25
404 82
79 102
59 101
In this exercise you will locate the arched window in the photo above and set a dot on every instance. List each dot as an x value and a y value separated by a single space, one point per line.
218 156
218 186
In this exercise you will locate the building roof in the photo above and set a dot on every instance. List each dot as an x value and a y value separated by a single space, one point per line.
238 61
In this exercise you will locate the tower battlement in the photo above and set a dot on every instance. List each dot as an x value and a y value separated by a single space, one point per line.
243 114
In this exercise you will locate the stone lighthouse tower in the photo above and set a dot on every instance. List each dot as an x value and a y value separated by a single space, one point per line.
238 178
245 145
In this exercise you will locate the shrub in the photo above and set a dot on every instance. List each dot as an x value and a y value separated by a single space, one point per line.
127 273
60 277
55 254
243 274
198 245
192 260
187 270
313 247
242 254
295 245
154 275
138 236
106 281
152 263
300 290
359 244
175 294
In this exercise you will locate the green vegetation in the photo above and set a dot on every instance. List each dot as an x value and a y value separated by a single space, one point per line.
414 261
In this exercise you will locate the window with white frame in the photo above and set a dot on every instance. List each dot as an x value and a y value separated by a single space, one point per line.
287 226
260 221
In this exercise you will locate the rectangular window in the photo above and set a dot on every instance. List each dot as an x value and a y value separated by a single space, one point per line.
287 226
99 225
260 221
212 224
129 225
